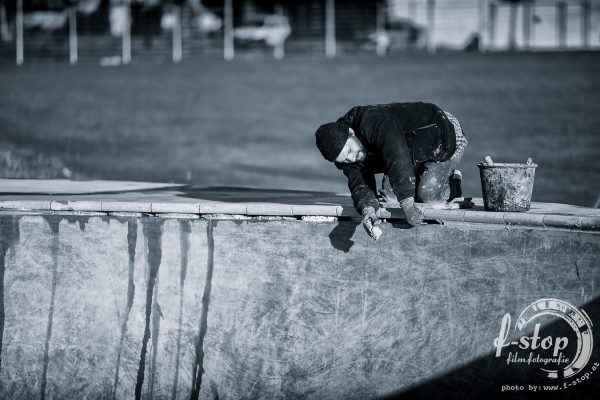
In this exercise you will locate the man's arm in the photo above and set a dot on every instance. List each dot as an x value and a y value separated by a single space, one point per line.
361 183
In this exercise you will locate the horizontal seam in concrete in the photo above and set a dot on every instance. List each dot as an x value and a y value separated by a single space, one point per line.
126 206
315 210
26 204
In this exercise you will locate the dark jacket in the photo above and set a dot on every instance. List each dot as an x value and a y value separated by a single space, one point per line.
397 137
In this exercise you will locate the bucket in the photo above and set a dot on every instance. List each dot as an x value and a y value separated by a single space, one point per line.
507 187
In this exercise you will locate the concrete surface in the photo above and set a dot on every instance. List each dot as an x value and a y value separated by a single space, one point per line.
132 305
66 186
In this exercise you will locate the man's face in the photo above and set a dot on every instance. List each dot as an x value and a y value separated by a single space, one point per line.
353 151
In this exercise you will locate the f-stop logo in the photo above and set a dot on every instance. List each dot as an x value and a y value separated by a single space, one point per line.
562 353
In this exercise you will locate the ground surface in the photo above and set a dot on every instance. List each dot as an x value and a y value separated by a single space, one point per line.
252 123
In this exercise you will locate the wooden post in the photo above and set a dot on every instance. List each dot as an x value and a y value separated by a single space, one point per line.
512 27
586 22
527 16
330 45
380 30
279 47
126 37
482 6
492 24
73 34
532 26
176 35
19 28
561 23
228 49
4 33
431 26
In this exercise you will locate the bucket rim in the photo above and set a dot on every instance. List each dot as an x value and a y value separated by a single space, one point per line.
506 165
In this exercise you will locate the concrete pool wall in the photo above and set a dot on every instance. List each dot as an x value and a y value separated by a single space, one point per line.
136 305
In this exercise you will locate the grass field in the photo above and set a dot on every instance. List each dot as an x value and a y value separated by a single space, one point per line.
252 123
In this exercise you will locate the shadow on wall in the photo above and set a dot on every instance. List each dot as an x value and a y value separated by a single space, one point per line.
341 236
484 378
248 195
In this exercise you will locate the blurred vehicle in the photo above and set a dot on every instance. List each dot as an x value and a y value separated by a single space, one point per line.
400 34
273 29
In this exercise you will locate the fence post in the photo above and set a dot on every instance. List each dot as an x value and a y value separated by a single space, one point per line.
561 23
431 26
228 48
482 6
381 38
492 24
176 36
73 34
279 47
126 38
19 28
527 25
330 45
586 22
4 33
512 27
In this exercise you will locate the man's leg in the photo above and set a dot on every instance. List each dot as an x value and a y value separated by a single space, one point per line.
441 181
434 181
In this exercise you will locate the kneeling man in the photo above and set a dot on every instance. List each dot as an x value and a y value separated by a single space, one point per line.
417 147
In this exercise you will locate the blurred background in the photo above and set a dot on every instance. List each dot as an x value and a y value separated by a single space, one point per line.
230 92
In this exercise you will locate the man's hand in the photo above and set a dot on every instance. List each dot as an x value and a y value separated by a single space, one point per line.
413 215
370 222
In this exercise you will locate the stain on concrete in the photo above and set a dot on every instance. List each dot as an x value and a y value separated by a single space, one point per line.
156 316
132 227
82 220
152 228
9 234
341 236
198 364
184 249
54 223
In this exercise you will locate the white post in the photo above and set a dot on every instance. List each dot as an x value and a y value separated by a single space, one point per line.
561 24
532 26
493 9
279 47
431 26
527 26
586 23
4 33
482 6
73 35
330 45
229 50
126 39
380 30
19 28
177 45
512 27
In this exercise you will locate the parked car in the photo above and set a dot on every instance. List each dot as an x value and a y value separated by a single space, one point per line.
273 29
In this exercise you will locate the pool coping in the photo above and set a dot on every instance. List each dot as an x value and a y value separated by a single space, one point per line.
261 209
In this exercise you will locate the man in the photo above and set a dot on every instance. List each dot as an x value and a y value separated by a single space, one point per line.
416 145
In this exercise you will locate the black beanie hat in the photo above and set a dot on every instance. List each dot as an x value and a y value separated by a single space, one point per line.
331 138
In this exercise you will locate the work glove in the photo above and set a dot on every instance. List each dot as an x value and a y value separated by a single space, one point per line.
413 215
370 222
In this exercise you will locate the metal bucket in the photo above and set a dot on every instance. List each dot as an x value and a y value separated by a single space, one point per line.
507 187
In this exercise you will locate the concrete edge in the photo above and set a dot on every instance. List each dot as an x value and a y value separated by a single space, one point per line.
193 210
